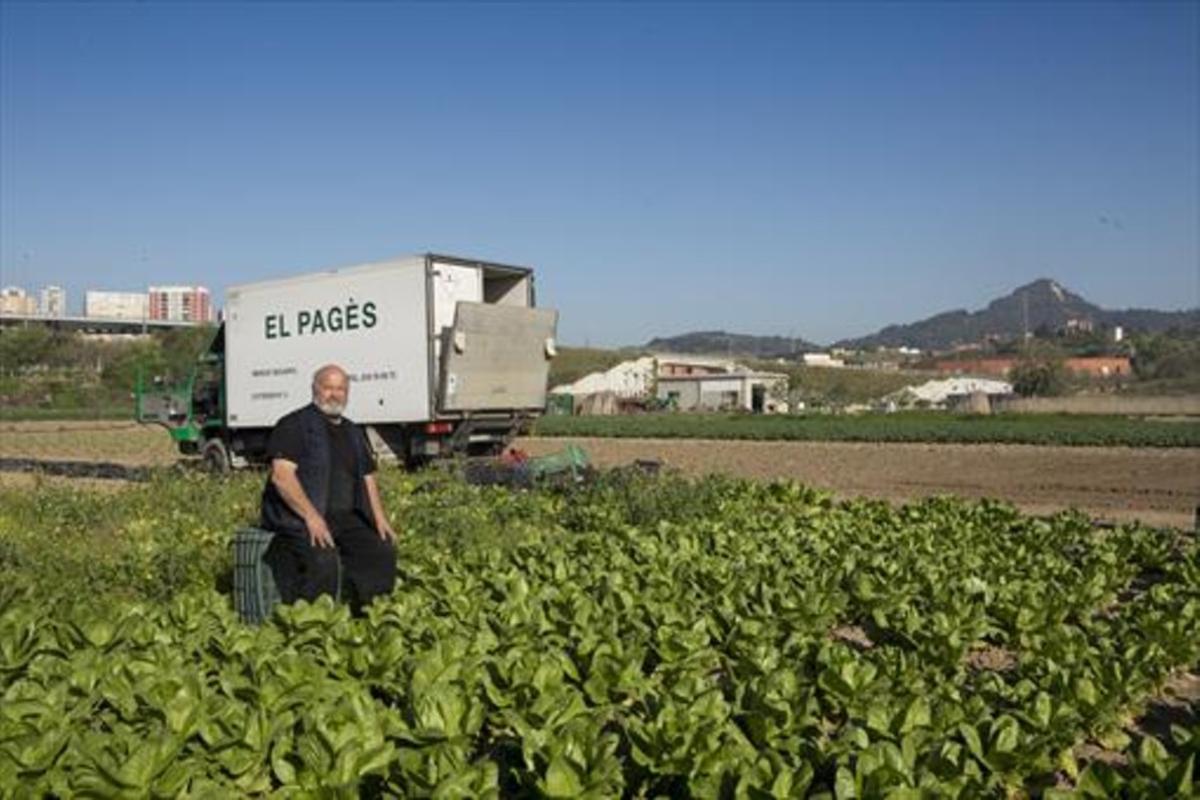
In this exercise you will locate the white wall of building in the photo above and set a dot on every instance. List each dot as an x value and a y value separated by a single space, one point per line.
116 305
725 392
822 360
629 379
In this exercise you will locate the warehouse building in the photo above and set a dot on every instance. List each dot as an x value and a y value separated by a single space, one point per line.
756 392
685 383
949 393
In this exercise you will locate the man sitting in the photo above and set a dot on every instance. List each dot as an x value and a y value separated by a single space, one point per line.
322 502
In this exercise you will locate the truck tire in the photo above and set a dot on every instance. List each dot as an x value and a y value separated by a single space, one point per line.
215 457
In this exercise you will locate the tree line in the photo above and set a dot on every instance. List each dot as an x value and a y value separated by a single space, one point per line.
44 368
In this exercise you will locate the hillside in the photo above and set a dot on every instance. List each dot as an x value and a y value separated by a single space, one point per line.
732 344
1043 305
1039 307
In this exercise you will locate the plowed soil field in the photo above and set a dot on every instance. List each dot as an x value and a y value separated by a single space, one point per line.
1155 486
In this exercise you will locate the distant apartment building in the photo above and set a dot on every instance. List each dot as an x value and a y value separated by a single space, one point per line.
181 303
115 305
52 301
14 300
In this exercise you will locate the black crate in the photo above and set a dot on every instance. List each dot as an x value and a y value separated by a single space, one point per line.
254 592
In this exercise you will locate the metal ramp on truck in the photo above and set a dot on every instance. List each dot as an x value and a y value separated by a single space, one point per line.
496 357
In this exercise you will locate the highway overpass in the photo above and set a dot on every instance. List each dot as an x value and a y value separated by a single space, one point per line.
92 324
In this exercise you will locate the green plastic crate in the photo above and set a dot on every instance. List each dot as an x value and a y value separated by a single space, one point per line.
572 460
560 405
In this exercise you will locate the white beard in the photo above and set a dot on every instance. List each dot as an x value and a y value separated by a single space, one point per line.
331 408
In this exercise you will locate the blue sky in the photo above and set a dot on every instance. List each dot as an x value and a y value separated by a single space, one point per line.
810 170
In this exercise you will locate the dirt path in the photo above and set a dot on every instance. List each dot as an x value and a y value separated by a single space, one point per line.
115 441
1155 486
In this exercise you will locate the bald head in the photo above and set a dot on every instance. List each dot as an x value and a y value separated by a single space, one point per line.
331 389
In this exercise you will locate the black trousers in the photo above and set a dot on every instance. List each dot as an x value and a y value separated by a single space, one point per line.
304 572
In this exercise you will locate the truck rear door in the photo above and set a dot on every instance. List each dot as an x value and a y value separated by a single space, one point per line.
496 357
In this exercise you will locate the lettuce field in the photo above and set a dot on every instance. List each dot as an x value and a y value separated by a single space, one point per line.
633 637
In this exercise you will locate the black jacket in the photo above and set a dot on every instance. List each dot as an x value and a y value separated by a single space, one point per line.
315 467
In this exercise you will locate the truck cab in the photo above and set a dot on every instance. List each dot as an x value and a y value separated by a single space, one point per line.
192 410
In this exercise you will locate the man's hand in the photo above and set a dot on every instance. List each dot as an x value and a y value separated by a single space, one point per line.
386 532
382 526
318 531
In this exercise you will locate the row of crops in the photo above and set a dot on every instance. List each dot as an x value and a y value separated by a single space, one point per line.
1043 429
635 637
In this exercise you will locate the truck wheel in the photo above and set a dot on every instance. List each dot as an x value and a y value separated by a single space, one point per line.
216 457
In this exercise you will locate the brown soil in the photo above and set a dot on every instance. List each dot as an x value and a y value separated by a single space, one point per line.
27 482
853 635
112 441
991 659
1090 751
1159 487
1177 704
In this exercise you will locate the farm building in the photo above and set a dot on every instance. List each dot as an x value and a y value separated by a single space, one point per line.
758 392
670 366
949 392
821 360
687 383
629 379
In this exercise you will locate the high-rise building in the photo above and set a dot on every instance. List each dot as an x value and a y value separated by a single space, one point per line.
53 301
115 305
181 303
14 300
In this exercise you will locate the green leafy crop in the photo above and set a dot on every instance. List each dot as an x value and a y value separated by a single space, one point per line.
635 637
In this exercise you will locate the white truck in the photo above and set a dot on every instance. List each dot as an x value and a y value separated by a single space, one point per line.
445 355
